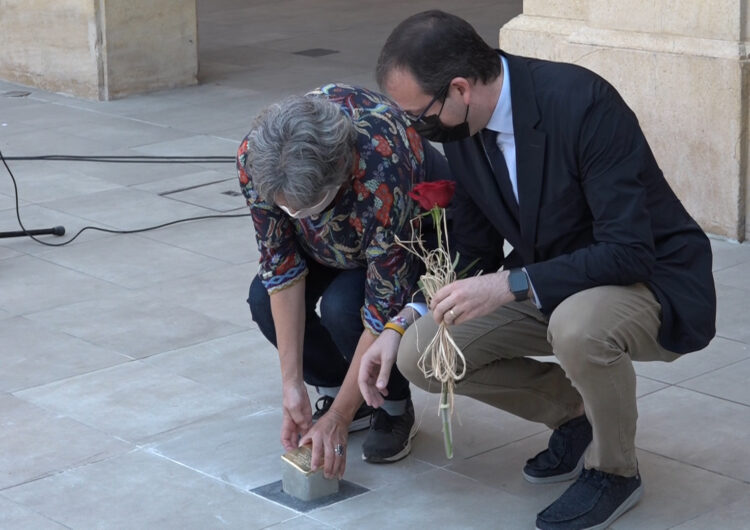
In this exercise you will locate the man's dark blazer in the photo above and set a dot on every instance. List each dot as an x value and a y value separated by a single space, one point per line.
594 207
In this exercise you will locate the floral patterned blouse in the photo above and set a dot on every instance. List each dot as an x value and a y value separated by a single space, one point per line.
359 229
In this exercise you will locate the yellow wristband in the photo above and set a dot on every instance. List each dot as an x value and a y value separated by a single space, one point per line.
395 327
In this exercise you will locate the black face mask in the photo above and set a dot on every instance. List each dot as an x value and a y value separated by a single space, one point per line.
434 130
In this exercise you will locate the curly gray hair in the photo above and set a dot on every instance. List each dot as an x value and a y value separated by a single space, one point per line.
298 148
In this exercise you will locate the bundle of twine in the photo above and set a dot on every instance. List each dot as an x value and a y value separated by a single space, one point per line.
442 359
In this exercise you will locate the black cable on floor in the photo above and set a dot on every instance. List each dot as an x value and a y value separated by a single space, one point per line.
130 159
149 159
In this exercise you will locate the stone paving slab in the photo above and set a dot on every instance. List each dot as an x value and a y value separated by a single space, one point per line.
37 443
138 490
135 390
131 401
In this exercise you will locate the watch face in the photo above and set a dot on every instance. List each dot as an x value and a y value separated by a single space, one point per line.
517 281
519 284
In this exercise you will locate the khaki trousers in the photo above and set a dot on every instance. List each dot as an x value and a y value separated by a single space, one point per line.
595 334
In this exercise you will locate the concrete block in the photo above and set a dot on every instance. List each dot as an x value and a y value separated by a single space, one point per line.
298 479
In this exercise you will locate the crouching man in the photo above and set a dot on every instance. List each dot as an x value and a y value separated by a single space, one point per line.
607 266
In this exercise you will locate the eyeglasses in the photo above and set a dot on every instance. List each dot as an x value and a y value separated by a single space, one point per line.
440 95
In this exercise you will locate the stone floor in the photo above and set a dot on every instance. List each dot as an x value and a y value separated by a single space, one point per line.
135 391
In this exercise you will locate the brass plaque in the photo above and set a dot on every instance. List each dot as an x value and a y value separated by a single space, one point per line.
300 458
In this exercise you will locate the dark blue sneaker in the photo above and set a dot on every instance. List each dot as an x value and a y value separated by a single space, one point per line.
389 438
592 502
563 458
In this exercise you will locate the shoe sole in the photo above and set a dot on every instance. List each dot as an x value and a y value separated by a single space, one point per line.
621 509
398 456
556 478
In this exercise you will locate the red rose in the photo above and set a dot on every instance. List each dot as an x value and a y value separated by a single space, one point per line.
431 194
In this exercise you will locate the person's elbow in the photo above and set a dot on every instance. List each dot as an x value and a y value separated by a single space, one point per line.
635 262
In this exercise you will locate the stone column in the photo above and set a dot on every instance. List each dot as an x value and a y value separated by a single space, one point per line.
99 49
684 68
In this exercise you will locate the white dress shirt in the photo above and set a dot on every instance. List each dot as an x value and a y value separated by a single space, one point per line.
501 122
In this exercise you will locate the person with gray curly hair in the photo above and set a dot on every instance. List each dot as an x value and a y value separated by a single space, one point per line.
300 152
326 176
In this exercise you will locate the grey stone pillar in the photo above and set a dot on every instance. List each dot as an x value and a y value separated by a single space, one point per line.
99 49
683 66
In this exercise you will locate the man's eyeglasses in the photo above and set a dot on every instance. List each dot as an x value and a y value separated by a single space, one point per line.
440 95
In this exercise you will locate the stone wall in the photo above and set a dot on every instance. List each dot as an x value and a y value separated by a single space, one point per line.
99 49
51 44
149 44
682 65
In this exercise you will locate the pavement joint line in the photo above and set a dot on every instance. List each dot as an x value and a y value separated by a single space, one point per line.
713 396
202 185
507 444
696 466
74 467
154 452
712 370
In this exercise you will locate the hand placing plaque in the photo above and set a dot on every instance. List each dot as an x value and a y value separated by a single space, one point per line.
300 481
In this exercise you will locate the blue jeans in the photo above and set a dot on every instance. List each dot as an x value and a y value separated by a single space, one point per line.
331 338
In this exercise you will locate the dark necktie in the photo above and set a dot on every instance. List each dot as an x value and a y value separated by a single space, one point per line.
500 170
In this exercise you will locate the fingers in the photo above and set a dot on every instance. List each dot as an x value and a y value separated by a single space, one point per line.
454 303
323 451
305 434
375 398
444 300
441 295
364 378
318 452
329 464
461 317
372 397
289 433
339 463
383 377
475 297
448 311
313 438
335 464
368 373
335 460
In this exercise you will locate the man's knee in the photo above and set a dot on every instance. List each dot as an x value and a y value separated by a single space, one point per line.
408 358
580 330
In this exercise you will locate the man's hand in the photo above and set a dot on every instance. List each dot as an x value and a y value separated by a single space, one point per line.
329 431
375 369
469 298
297 418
